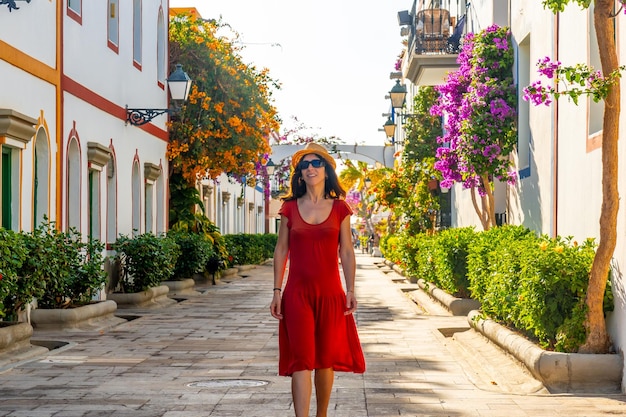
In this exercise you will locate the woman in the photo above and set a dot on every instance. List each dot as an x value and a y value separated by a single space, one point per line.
317 331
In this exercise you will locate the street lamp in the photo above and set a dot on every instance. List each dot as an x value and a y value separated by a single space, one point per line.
270 167
179 85
390 128
397 95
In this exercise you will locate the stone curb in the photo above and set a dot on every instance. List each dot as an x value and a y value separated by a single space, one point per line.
559 372
14 335
229 272
15 345
242 268
74 318
154 296
457 306
181 287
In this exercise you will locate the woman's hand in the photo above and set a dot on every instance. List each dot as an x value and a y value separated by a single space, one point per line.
275 306
350 303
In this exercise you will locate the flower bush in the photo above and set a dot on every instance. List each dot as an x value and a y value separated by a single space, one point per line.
391 189
479 102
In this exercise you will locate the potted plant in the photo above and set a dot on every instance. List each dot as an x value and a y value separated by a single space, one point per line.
64 274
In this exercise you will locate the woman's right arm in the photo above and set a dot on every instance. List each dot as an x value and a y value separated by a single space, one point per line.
280 263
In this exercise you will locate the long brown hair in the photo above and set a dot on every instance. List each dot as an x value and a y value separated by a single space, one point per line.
332 186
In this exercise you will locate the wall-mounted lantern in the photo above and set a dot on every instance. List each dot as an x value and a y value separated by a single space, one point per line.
179 85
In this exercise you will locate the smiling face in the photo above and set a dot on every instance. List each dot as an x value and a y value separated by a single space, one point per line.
312 175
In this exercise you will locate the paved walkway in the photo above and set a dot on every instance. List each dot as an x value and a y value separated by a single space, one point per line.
215 354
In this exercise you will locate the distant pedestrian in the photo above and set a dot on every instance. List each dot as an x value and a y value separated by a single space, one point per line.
317 331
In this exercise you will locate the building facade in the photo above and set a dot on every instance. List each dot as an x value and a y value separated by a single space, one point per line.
559 157
68 154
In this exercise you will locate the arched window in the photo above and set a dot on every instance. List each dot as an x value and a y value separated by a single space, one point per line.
136 198
41 180
111 200
161 226
73 184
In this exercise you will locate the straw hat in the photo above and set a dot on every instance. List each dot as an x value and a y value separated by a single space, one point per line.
312 148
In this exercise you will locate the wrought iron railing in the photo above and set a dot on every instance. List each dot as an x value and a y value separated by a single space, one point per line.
433 30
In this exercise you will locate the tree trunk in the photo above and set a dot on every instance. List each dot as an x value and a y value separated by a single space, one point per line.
479 210
486 211
490 211
597 336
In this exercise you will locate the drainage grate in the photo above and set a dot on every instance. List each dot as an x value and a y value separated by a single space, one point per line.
229 383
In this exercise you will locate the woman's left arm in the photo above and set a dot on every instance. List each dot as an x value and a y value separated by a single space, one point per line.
348 263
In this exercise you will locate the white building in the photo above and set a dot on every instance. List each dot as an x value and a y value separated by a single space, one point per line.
234 208
558 159
67 150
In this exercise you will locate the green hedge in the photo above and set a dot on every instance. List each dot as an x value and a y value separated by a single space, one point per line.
145 260
249 249
197 250
59 269
533 283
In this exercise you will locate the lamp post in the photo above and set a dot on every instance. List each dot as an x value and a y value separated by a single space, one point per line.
270 167
398 95
390 128
179 85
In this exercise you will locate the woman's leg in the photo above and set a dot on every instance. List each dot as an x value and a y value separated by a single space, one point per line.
324 379
301 392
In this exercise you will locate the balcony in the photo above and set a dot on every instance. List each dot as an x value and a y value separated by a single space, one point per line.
433 42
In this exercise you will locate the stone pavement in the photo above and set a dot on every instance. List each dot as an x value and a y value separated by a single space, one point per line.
215 354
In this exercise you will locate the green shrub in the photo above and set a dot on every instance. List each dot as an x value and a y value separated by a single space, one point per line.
249 249
268 242
390 246
197 250
60 269
145 260
449 256
494 254
419 257
553 287
199 224
12 255
532 283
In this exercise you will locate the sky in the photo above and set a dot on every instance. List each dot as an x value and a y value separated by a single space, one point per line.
333 58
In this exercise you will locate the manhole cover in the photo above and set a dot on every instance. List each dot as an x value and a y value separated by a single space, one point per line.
228 383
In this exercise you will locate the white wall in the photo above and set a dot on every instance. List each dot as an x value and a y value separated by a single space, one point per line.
28 43
103 83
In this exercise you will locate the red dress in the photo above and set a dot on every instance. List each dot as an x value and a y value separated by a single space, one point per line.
314 332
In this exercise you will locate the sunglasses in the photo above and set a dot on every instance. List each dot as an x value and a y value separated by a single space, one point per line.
317 163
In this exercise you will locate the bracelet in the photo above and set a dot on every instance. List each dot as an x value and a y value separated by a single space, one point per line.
277 289
352 291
